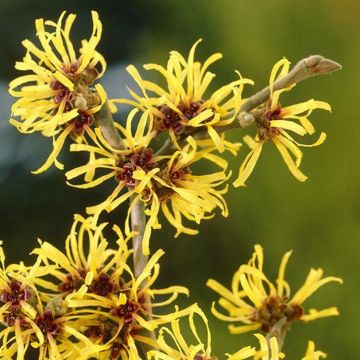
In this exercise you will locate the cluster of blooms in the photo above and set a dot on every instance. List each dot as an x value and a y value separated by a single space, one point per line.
83 303
59 99
87 302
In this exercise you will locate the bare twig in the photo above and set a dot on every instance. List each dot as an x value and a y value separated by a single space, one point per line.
138 222
105 120
308 67
279 332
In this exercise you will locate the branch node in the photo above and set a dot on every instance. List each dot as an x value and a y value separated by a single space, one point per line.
104 119
245 119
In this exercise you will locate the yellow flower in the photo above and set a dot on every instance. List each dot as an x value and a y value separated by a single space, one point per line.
57 97
171 344
97 296
157 181
28 320
120 317
182 106
89 265
133 168
183 194
269 350
256 302
274 126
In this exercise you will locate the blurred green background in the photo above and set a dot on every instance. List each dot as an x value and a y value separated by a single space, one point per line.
319 219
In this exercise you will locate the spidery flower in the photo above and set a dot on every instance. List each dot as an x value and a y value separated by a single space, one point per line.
171 343
88 264
57 96
164 183
183 194
132 168
120 318
274 126
183 106
257 303
269 350
30 321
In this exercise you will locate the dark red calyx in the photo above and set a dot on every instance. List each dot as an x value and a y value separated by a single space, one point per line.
189 111
79 122
142 159
10 319
74 67
179 174
170 120
70 283
126 312
115 350
273 115
273 309
47 323
176 121
62 92
102 285
15 294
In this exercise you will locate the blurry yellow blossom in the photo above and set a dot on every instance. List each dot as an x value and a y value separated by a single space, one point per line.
274 126
171 344
182 106
269 350
312 354
256 302
57 97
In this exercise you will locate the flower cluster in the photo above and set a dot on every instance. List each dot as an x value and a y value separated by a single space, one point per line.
57 97
160 182
259 304
91 301
89 293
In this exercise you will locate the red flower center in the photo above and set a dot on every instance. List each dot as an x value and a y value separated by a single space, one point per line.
127 165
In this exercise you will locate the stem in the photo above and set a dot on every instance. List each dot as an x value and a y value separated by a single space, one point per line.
305 68
138 222
105 120
279 332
